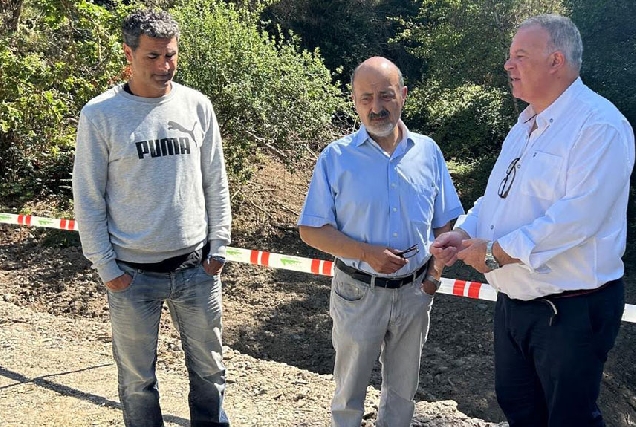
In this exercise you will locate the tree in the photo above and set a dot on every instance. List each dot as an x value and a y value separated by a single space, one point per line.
609 50
269 95
463 99
347 31
10 11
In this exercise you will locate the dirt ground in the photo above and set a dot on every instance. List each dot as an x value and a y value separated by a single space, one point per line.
53 316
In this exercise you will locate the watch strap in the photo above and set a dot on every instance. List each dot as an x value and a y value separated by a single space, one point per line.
490 261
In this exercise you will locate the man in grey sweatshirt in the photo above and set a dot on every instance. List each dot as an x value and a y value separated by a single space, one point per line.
153 208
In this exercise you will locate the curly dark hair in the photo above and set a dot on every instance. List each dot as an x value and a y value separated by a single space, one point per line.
152 23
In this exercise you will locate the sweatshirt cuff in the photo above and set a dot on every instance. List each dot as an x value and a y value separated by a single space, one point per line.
218 247
109 271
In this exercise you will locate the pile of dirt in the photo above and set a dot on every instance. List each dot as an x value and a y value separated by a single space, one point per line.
276 329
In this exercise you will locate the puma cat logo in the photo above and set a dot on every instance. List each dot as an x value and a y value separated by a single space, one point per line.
174 125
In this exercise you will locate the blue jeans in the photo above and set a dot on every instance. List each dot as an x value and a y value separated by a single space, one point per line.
194 300
549 366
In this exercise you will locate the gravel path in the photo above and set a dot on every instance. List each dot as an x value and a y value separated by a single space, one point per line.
58 371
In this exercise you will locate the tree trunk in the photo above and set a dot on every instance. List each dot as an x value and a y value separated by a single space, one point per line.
10 11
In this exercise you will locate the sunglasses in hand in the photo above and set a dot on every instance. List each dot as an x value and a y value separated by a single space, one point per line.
408 252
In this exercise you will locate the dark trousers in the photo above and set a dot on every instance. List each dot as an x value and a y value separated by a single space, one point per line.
548 367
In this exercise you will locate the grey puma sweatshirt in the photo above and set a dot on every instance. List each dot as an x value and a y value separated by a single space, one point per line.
149 179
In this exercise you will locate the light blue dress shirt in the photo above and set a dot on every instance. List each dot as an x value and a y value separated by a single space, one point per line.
392 200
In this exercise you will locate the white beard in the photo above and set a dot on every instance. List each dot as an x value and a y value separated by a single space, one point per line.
381 131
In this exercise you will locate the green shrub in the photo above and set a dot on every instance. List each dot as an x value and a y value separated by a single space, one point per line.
468 122
61 55
268 95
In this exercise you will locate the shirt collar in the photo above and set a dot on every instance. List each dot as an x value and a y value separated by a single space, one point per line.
556 110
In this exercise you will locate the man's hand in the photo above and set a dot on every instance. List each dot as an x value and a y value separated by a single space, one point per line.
119 283
446 247
212 267
383 260
474 254
428 287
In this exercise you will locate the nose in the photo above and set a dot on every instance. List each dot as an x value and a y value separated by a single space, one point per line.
165 64
508 65
377 105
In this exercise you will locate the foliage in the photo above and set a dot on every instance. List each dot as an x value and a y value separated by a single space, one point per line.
267 94
609 71
467 41
468 122
348 31
61 55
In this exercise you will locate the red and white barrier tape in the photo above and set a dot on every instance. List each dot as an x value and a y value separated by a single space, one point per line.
455 287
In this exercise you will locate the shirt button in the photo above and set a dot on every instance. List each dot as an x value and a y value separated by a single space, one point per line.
394 209
492 227
394 234
393 185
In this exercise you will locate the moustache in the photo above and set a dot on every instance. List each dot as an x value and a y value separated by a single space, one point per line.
381 115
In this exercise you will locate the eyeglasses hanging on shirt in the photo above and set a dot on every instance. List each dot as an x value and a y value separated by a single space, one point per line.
511 172
506 183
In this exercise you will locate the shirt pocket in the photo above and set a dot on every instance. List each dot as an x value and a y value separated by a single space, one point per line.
418 197
542 176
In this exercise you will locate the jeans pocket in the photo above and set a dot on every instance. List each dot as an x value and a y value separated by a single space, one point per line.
350 291
132 272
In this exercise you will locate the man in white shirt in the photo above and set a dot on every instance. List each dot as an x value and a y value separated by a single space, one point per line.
550 231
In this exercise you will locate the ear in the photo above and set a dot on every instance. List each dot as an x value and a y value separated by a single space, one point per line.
405 91
127 52
557 60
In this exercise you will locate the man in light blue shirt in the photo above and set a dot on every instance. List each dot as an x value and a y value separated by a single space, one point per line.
376 201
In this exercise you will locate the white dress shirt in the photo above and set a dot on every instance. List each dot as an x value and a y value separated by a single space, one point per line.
565 215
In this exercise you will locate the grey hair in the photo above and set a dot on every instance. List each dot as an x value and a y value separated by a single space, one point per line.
564 36
400 76
152 23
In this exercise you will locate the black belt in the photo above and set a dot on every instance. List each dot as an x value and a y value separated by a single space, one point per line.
175 263
579 292
383 282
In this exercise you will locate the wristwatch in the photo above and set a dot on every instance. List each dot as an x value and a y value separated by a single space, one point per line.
491 261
